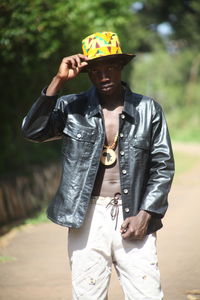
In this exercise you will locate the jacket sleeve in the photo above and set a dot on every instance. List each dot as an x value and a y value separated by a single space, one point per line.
45 120
161 170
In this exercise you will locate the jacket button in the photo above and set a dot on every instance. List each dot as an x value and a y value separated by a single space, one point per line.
127 209
124 171
125 191
78 135
121 153
121 135
122 116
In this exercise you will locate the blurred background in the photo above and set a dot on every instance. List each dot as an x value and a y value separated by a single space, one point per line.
34 37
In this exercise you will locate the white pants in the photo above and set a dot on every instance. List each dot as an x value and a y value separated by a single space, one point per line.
97 245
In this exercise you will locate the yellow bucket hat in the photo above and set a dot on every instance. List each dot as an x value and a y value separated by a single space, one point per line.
103 45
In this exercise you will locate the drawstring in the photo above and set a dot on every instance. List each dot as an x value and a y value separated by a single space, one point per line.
115 208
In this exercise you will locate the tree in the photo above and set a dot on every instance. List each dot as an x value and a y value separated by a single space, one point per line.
35 35
183 16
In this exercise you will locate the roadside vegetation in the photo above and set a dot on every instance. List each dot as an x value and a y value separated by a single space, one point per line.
172 78
35 35
38 218
185 161
4 259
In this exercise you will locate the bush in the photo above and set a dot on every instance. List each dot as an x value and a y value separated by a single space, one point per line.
172 79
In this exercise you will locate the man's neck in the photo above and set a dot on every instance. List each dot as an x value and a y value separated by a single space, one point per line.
113 101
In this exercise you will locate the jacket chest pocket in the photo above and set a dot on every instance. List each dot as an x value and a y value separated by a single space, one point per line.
78 140
141 148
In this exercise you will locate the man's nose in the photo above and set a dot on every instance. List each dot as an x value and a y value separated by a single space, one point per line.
103 76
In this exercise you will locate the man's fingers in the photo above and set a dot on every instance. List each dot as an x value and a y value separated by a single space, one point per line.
74 62
78 58
82 57
83 64
131 235
125 233
125 224
81 60
78 61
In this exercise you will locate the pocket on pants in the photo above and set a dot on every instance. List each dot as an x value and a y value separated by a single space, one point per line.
90 277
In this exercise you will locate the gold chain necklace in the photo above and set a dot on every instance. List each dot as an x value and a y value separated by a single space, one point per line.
108 155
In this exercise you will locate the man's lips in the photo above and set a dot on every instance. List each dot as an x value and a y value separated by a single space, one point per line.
106 86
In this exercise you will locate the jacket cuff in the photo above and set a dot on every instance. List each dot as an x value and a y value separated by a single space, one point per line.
43 93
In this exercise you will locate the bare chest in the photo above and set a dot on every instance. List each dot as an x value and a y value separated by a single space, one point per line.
111 121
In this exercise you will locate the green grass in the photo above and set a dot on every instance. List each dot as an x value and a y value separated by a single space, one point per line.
38 218
4 259
184 162
177 89
184 124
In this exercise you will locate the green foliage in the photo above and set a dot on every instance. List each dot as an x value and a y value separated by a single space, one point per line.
4 259
35 30
173 80
183 16
38 218
184 123
184 161
35 35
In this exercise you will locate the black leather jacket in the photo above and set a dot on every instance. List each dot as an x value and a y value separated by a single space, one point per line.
144 152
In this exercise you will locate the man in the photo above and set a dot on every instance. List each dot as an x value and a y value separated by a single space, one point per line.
117 171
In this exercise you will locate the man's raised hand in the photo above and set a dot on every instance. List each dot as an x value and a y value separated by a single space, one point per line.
69 68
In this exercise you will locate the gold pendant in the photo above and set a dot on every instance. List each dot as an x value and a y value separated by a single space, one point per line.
108 157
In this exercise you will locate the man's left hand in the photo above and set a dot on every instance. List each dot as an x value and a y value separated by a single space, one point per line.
135 228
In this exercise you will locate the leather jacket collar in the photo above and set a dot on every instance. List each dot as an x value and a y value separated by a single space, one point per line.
95 107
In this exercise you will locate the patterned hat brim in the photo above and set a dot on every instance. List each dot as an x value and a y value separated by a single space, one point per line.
125 58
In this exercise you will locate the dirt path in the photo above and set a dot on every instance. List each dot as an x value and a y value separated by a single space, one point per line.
37 266
179 240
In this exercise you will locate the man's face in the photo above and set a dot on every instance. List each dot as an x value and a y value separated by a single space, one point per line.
106 76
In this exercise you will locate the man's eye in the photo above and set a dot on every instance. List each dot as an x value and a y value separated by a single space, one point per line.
93 71
111 68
